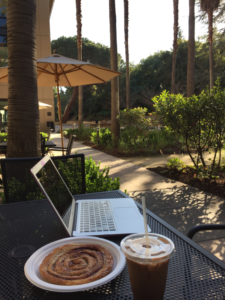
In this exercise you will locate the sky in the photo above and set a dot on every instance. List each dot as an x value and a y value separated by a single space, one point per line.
150 24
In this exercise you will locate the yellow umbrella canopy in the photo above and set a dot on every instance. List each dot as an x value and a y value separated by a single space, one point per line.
40 104
58 70
71 72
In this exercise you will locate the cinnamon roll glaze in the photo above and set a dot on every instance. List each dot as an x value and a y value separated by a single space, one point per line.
74 264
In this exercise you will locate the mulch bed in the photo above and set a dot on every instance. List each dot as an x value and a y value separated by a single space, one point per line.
213 186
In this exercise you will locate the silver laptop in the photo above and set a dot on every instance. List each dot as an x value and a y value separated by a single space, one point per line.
86 217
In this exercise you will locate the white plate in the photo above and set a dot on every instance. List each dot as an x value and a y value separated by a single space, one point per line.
32 273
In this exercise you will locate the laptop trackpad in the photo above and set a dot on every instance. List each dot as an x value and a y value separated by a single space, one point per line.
125 212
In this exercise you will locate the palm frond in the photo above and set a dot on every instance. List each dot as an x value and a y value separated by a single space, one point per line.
209 5
221 11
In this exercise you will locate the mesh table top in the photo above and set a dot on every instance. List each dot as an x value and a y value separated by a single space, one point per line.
192 273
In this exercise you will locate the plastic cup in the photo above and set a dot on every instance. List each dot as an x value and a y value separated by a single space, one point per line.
147 259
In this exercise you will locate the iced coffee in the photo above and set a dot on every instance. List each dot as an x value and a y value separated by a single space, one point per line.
147 259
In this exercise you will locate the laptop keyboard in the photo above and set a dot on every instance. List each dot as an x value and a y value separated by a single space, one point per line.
96 216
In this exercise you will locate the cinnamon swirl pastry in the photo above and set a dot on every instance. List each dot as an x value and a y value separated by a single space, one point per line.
74 264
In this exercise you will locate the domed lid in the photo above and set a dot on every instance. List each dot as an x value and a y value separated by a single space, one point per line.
150 247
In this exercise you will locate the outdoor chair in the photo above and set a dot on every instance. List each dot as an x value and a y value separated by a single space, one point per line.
66 149
43 147
19 184
49 133
198 228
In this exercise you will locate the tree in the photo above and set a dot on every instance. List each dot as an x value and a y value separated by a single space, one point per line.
126 26
175 45
191 49
209 6
96 98
114 66
79 50
70 105
23 112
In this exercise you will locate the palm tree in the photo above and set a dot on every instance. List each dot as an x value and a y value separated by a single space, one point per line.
23 112
79 50
175 45
191 50
209 6
114 66
126 26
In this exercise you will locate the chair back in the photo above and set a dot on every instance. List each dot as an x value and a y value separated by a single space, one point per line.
42 145
70 144
19 184
49 133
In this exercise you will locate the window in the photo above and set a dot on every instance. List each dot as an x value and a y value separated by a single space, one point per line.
3 22
3 40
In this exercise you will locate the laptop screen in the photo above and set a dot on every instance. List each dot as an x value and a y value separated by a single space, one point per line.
55 189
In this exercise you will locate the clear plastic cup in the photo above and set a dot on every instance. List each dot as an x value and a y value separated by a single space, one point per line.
147 259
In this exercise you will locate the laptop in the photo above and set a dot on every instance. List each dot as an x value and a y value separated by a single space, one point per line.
86 217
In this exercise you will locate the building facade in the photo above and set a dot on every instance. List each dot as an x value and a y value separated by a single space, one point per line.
45 94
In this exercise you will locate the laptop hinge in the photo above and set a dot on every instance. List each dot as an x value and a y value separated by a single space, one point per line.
75 216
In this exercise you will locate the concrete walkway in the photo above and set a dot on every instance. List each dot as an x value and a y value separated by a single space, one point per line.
176 203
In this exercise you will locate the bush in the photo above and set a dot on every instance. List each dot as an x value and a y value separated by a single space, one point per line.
99 181
3 136
82 133
200 120
159 139
105 137
44 134
135 123
96 180
175 163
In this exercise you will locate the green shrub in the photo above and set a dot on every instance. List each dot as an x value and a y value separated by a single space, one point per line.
3 136
44 134
105 137
69 131
160 139
175 163
99 181
82 133
200 120
135 123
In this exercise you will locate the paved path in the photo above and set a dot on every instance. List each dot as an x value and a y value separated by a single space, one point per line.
176 203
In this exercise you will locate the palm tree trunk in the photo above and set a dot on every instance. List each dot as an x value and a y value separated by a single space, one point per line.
126 26
23 111
70 104
210 19
79 50
191 50
175 45
114 66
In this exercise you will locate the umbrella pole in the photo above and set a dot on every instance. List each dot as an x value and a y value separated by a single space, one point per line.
60 120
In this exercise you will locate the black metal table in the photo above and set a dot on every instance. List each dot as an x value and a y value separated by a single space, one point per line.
193 272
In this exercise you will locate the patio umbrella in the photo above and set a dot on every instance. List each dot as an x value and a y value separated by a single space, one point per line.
58 70
40 104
